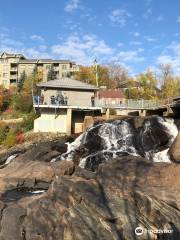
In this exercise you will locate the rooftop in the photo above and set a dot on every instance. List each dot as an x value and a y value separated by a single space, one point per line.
67 83
44 61
34 60
111 93
12 55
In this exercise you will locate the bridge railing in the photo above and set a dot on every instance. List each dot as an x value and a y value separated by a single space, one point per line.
133 104
126 104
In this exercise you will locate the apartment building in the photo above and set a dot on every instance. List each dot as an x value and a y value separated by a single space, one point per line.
12 67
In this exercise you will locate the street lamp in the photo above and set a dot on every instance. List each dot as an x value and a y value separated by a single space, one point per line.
96 72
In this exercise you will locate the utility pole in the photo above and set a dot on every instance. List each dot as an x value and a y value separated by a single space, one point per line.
96 72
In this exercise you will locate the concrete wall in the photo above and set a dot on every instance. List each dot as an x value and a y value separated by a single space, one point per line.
64 121
27 68
75 98
49 122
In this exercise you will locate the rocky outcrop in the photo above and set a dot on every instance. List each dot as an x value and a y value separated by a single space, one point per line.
123 194
44 199
175 150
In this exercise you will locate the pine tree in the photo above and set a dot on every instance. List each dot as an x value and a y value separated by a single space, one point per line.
51 74
21 81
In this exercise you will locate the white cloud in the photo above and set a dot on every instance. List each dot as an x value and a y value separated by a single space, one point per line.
82 49
127 56
36 37
72 5
119 17
150 39
8 44
171 55
178 19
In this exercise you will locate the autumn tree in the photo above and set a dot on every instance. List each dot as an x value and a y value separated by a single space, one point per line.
6 97
148 85
168 83
118 74
87 74
23 100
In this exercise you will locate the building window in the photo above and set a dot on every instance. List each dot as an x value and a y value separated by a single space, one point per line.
4 82
48 66
64 67
5 75
4 60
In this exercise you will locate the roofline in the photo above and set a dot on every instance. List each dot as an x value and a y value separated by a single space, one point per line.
67 87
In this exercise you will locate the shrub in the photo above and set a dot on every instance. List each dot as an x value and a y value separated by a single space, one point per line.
28 123
3 131
20 138
10 140
22 102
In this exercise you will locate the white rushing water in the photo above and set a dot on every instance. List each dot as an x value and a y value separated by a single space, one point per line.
171 129
9 159
120 138
162 156
38 191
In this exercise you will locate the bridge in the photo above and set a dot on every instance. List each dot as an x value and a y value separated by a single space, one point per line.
128 104
61 117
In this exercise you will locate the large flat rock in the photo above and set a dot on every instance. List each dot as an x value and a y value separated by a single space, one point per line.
123 194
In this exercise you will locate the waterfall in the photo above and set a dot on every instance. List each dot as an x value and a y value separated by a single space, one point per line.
107 140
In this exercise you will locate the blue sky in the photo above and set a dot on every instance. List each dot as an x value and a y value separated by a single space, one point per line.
135 33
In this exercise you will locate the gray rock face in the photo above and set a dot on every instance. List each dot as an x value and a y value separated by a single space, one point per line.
123 194
175 150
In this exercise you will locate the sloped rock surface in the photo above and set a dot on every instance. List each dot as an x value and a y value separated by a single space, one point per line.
123 194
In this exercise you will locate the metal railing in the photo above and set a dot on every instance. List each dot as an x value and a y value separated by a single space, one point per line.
126 104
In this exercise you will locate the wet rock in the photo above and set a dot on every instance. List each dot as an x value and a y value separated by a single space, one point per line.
175 150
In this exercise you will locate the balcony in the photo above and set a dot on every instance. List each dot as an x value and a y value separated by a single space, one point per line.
58 100
13 69
13 76
13 81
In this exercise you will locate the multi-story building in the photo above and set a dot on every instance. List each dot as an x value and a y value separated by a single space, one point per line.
12 66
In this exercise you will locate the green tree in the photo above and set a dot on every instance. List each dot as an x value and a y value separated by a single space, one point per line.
21 81
51 74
